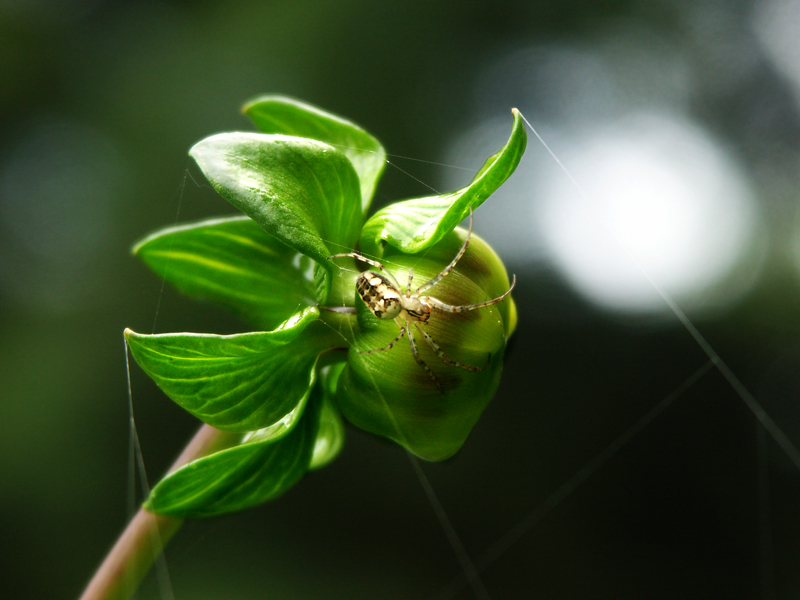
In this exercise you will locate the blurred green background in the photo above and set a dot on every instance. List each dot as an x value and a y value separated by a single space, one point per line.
679 119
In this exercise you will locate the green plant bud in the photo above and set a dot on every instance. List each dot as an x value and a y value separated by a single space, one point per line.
388 393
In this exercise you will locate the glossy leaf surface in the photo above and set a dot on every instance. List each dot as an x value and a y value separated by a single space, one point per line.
303 192
232 262
417 224
246 475
330 435
279 114
304 184
240 382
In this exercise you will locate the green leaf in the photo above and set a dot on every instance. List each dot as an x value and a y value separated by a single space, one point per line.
261 468
417 224
303 192
232 262
330 436
279 114
237 382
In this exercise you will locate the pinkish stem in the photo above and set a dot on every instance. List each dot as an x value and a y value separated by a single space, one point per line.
146 535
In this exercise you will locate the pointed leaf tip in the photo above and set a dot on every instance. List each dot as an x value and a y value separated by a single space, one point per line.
234 262
236 383
415 225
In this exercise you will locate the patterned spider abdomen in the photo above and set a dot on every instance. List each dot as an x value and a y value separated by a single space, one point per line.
380 296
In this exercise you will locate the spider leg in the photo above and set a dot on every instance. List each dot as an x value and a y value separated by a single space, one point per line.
448 268
440 353
360 257
394 341
438 304
420 362
369 261
410 278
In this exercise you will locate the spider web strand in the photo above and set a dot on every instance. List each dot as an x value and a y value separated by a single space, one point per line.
738 387
518 531
162 570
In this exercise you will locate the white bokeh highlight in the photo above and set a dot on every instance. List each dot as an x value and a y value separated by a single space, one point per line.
656 201
660 202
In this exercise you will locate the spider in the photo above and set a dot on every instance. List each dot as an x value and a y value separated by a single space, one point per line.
381 293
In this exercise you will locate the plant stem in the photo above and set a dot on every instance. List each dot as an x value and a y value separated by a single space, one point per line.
147 533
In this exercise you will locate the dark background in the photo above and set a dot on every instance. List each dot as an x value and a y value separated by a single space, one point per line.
99 103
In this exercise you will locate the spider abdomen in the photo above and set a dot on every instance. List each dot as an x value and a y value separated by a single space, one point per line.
380 296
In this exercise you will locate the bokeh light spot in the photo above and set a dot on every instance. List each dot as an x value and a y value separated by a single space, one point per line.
661 197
